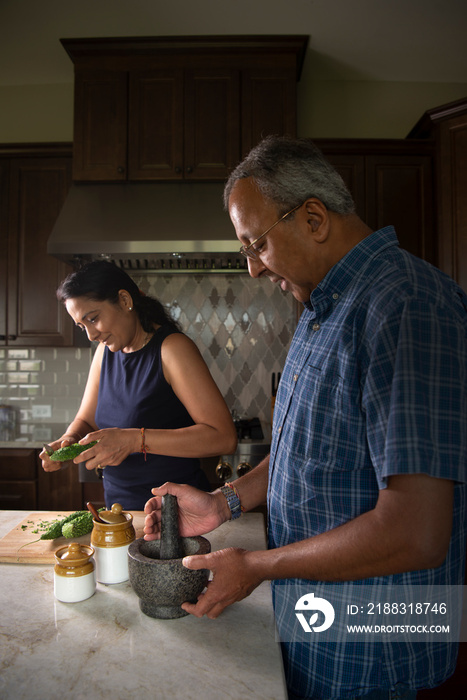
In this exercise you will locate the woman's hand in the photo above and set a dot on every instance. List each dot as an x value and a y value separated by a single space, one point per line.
198 512
113 446
234 578
49 465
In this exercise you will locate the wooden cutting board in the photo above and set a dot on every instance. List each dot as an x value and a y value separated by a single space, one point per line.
42 552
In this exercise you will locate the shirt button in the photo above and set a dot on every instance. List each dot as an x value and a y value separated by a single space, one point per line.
335 295
295 377
279 429
316 326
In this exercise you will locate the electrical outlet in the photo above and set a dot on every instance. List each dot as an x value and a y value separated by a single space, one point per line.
42 411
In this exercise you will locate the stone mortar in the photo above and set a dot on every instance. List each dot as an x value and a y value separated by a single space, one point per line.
162 585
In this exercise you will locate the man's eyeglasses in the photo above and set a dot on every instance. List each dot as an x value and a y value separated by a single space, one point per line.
248 251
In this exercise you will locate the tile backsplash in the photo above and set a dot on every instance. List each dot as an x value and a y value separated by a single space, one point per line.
45 386
242 326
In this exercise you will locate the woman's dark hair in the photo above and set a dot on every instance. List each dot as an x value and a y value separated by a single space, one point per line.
101 281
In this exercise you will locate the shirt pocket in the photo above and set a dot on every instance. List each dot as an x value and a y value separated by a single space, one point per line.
313 423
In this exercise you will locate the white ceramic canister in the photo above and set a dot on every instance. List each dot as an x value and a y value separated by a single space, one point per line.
74 575
111 542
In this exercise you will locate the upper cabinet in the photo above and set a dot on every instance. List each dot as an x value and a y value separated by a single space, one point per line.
33 186
179 108
391 181
446 126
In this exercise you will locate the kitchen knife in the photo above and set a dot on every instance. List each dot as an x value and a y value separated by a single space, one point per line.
48 449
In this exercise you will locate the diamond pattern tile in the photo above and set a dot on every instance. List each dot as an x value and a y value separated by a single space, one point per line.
242 327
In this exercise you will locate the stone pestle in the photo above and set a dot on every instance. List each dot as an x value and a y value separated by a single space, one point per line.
171 542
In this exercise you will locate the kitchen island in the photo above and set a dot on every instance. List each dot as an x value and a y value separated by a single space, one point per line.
105 647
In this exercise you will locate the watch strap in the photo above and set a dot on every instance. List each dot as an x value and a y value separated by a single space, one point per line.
233 501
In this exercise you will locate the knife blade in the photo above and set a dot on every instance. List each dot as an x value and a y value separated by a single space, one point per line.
48 449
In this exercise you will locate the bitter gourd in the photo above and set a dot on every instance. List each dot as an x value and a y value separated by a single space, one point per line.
70 451
78 526
55 530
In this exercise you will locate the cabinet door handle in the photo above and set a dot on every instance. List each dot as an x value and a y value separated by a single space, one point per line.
178 170
12 337
120 169
189 170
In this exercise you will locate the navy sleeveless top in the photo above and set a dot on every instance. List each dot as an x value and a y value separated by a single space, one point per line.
133 393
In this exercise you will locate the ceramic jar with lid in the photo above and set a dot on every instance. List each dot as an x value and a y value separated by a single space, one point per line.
111 542
74 575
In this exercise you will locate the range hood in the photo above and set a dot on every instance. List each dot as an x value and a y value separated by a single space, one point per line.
166 227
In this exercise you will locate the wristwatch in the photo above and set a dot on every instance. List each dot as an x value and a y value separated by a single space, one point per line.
232 500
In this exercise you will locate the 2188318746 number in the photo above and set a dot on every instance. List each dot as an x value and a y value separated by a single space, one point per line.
402 608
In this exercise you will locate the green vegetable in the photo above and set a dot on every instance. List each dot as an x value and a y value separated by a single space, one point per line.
73 525
55 530
78 526
70 451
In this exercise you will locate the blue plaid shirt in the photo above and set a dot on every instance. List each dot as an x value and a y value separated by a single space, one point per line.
374 384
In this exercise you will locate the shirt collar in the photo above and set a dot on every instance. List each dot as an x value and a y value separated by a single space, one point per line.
354 263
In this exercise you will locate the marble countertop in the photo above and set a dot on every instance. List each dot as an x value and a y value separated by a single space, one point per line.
105 647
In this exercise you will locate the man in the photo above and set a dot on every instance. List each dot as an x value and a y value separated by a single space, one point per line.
367 471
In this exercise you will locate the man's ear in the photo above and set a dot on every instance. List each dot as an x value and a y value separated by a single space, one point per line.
317 219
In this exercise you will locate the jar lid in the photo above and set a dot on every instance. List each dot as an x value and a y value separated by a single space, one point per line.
114 515
74 554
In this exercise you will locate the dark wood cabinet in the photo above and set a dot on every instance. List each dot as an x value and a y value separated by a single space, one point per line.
60 490
4 194
399 192
100 125
94 491
34 187
167 124
179 108
24 485
452 189
184 124
155 134
211 123
268 104
447 127
392 182
18 479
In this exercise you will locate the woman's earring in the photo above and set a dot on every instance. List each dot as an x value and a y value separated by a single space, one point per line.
130 308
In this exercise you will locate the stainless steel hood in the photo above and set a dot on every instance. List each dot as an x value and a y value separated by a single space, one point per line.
165 227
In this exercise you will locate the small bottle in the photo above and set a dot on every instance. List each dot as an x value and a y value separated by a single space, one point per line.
74 575
111 542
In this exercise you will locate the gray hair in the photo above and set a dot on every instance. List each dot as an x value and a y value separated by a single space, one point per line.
289 171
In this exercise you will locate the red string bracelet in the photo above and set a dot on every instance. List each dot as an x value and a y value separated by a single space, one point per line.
143 449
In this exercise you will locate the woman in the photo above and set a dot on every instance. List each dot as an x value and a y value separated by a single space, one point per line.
149 401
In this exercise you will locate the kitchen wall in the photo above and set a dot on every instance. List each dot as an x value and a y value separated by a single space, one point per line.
335 99
326 108
45 386
242 327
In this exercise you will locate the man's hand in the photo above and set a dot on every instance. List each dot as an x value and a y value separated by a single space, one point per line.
198 512
234 578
